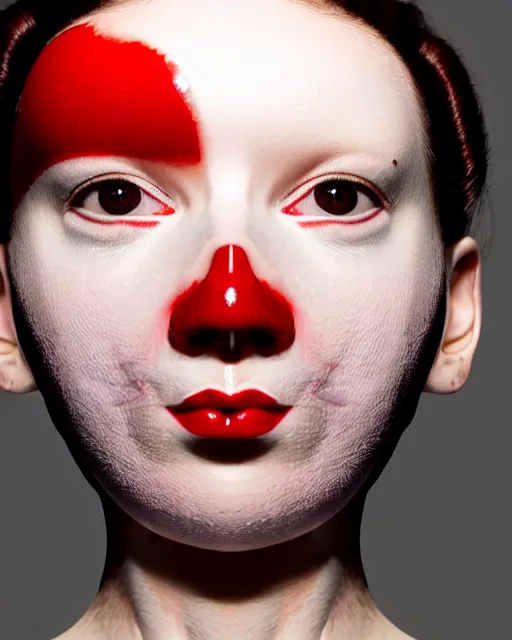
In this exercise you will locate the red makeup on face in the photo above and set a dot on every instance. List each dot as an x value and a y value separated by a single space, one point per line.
91 95
211 414
231 303
294 210
230 315
139 224
311 224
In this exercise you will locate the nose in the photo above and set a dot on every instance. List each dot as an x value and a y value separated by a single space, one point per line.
231 314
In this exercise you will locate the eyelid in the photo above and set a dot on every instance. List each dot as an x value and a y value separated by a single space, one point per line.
143 184
305 189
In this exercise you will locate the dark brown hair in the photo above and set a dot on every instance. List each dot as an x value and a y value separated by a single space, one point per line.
456 130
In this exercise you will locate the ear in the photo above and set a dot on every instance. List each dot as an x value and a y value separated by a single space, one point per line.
452 366
15 374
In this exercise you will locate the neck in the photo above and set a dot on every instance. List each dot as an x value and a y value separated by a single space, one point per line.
310 588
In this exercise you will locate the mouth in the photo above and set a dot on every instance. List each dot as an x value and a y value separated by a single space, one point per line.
212 414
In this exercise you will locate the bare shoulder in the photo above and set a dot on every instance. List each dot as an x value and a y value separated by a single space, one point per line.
394 633
388 631
73 634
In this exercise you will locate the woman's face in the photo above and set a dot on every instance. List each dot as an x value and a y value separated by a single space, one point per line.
292 136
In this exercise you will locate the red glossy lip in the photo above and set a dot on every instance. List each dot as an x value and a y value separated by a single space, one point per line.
212 414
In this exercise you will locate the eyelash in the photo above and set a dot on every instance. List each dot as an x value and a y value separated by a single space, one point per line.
307 189
87 188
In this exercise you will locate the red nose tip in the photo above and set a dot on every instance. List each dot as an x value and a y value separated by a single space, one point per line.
231 314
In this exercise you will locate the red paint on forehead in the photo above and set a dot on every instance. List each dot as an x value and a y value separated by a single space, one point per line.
93 95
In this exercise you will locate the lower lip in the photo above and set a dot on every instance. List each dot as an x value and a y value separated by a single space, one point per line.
215 423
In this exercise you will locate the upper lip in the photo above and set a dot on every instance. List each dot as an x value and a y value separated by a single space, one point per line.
213 399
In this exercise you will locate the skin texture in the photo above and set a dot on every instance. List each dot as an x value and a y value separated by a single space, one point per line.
340 376
323 99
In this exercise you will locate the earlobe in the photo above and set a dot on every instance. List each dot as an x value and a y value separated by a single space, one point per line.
452 366
15 374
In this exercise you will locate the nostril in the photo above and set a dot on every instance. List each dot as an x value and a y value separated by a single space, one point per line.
231 314
203 339
231 345
264 341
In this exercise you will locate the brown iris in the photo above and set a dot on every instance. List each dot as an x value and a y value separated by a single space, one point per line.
337 197
116 197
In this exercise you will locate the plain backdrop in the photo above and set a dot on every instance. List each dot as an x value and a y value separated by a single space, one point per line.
436 531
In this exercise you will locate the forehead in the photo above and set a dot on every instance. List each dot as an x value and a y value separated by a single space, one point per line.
275 88
281 67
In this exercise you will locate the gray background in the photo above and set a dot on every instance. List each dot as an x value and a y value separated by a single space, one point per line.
436 531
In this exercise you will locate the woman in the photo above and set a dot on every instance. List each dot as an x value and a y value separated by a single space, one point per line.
239 250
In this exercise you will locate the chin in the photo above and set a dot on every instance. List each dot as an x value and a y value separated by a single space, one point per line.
239 522
232 535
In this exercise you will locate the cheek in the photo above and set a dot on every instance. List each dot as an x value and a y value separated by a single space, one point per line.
91 310
363 315
368 311
360 308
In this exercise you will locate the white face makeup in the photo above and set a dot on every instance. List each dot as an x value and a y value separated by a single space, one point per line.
287 98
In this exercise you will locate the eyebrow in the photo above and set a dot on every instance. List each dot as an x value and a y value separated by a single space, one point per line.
94 95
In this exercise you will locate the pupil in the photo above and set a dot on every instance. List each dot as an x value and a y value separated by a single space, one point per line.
119 197
336 197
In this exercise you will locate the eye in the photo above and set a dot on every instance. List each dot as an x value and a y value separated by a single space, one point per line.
336 197
118 197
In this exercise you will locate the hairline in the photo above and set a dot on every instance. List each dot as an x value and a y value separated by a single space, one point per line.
327 7
330 8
